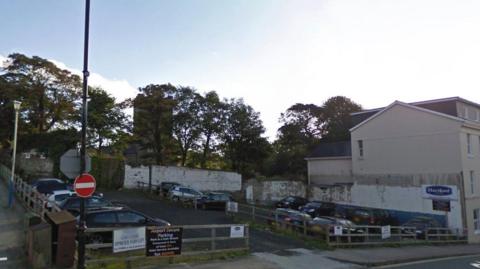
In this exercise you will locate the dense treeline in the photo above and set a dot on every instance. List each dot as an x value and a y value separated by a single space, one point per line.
173 125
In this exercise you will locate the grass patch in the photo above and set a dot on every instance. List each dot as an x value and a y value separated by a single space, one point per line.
130 260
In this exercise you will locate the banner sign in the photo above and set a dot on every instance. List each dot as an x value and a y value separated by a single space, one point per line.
128 239
164 241
440 192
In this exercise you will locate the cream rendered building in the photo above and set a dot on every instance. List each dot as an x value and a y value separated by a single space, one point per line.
400 148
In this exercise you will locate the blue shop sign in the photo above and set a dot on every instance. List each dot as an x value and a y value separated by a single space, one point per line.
440 192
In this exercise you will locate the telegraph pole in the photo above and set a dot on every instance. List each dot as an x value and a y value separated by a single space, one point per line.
83 167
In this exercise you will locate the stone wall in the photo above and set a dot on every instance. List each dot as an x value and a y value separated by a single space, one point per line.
202 180
269 191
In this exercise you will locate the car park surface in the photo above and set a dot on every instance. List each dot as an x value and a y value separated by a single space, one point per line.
260 240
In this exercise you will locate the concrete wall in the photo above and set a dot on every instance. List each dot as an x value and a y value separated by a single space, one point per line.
330 166
34 165
269 191
403 140
202 180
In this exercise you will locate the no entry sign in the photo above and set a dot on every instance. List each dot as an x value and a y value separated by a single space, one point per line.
84 185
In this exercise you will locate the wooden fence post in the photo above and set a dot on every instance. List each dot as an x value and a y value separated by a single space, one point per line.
253 213
247 236
214 236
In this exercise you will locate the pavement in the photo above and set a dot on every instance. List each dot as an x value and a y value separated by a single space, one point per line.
12 236
393 255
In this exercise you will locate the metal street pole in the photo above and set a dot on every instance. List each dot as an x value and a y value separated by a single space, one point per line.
16 106
81 230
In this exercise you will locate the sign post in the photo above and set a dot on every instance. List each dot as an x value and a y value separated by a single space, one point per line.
83 166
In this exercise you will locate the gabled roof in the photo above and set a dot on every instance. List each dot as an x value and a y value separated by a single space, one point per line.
434 101
380 112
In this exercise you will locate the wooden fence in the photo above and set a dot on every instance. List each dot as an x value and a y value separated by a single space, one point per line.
196 240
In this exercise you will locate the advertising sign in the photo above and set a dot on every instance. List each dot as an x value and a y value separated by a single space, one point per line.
128 239
164 241
386 232
440 192
237 231
441 205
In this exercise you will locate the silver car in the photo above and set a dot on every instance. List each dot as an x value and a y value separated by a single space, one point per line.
182 193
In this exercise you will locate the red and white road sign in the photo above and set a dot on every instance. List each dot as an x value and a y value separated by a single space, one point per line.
84 185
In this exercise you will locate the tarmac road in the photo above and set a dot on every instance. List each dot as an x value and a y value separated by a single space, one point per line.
260 241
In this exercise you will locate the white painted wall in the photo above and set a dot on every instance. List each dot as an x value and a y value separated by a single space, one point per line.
330 166
202 180
388 197
403 140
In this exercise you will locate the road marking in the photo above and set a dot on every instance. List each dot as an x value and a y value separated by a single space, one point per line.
475 264
3 259
426 261
84 185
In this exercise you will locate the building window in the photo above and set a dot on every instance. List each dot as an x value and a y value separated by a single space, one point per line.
478 115
466 112
469 144
476 220
360 148
472 182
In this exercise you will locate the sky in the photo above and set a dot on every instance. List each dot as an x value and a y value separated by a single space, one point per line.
271 53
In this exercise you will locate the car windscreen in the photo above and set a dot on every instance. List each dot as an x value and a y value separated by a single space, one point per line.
61 197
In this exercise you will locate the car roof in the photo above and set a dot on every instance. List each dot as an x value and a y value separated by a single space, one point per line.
55 192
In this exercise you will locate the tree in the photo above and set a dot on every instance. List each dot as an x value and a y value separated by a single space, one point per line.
243 144
48 93
336 119
153 111
107 123
186 125
211 122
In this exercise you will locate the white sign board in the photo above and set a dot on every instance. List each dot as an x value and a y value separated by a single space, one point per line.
337 230
440 192
386 232
237 231
128 239
232 206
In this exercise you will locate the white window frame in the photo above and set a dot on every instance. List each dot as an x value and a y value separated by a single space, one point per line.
469 144
361 148
472 181
476 220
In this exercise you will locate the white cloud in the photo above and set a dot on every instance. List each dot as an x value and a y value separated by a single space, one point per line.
121 89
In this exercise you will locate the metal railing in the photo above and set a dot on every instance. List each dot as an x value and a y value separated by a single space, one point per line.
31 199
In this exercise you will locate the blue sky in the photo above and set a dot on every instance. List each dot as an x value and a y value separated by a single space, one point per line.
271 53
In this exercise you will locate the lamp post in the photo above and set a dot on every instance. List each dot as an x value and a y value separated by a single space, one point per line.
16 106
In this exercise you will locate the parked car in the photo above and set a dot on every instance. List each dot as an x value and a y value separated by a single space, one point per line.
58 196
214 200
368 216
102 218
314 208
181 193
166 186
319 226
49 185
293 202
72 204
421 224
289 218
